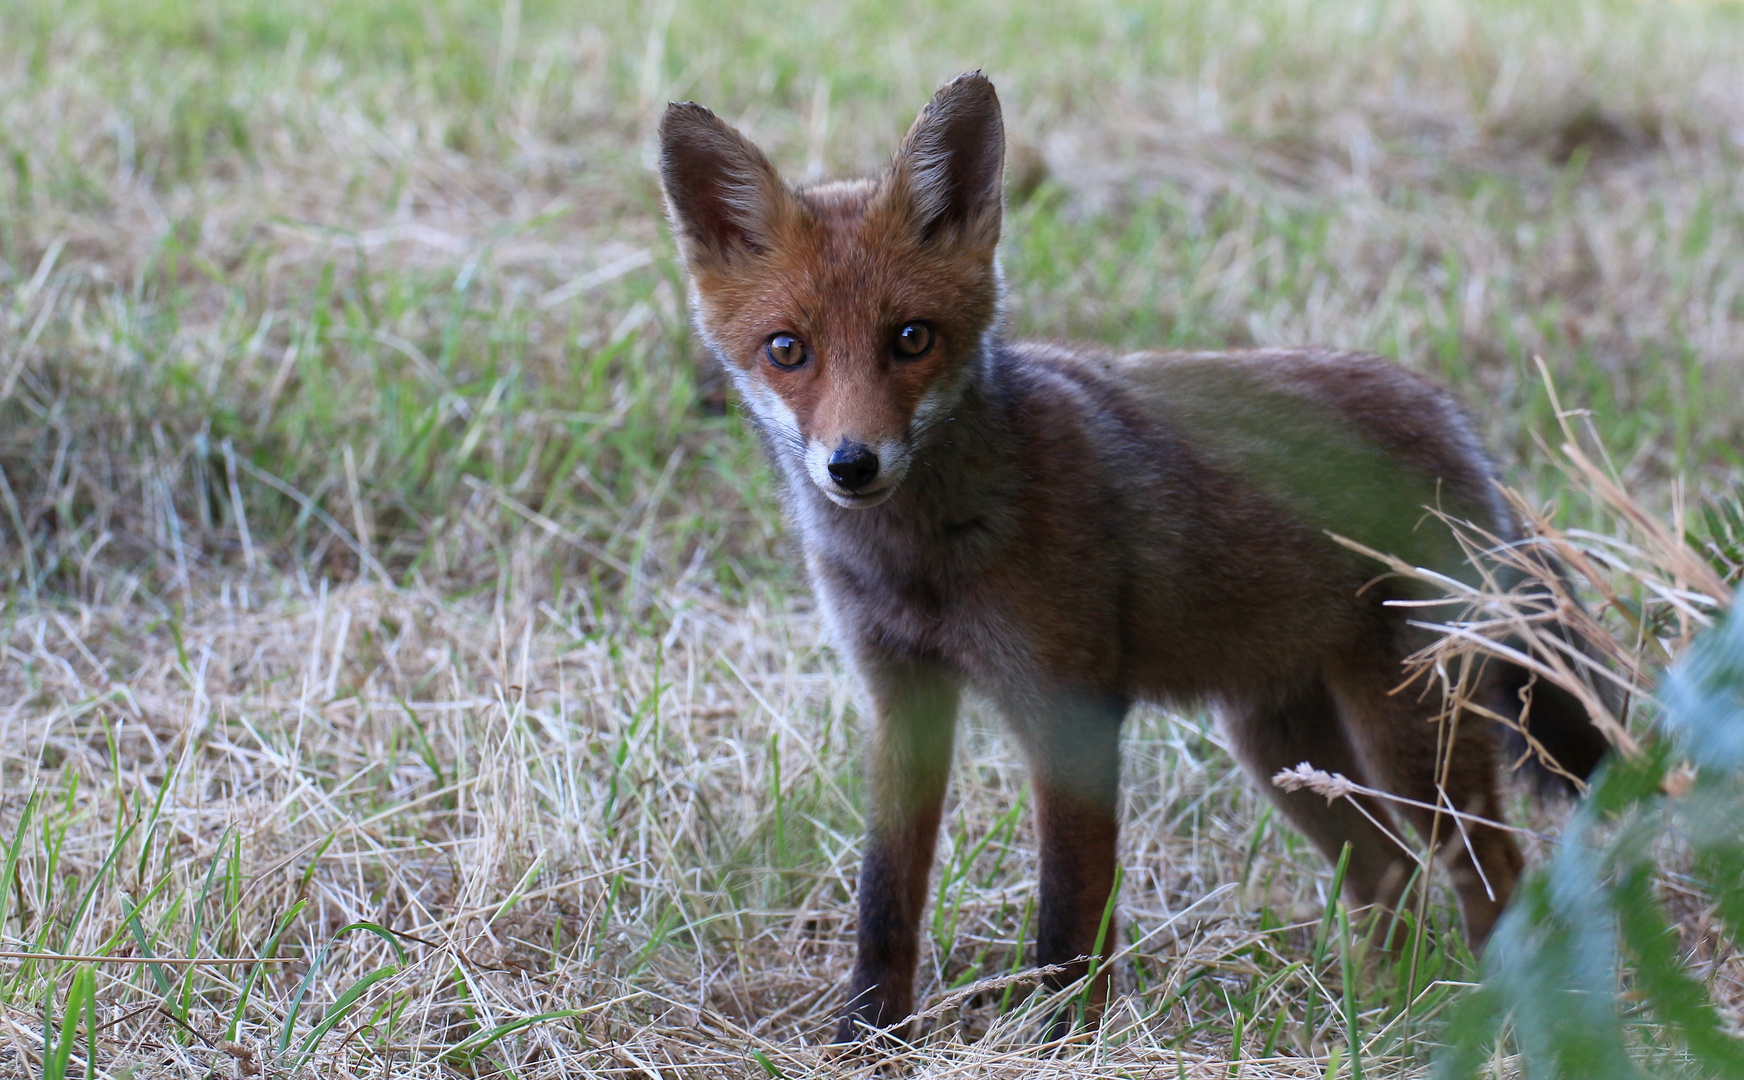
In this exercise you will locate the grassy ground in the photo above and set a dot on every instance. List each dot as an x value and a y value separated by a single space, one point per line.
378 548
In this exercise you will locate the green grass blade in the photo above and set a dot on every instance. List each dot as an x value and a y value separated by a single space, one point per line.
341 1008
9 874
463 1052
249 980
296 1003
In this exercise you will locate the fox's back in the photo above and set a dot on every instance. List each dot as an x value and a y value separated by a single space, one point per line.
1158 522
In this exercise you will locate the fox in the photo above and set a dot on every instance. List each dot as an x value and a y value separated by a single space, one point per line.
1068 531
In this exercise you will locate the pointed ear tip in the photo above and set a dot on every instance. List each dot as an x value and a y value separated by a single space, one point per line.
680 112
971 90
975 81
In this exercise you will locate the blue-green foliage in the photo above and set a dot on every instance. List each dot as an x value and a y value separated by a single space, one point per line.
1586 967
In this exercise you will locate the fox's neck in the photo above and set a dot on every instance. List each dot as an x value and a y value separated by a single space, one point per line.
964 477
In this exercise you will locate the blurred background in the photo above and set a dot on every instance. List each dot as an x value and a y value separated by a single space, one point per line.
369 512
429 232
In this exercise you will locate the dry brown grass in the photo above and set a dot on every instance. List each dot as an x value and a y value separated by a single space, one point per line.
285 723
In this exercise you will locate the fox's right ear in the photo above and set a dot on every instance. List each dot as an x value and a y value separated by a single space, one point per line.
949 173
724 197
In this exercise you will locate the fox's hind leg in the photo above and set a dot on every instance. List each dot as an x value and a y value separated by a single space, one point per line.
1398 740
1302 724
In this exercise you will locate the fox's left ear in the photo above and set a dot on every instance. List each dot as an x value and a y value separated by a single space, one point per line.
949 174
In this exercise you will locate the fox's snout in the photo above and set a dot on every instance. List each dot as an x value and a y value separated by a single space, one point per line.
853 465
855 474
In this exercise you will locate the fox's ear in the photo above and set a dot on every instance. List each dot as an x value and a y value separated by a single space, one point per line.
724 197
951 167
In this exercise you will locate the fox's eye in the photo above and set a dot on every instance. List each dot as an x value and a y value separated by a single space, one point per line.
913 340
785 351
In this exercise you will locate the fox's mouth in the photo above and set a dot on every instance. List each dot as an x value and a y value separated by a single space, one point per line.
857 500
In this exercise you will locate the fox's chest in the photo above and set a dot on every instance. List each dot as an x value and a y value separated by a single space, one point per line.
998 619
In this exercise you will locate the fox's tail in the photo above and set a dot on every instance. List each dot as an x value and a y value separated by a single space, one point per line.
1557 727
1559 743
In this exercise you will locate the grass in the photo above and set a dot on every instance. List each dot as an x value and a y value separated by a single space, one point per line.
380 552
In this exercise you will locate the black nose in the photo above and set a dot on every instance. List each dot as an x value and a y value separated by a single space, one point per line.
853 466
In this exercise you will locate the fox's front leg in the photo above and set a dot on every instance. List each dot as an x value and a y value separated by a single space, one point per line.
1074 754
915 708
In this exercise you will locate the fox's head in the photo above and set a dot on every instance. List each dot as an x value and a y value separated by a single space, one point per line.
850 315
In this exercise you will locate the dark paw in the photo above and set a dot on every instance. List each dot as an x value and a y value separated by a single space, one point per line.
851 1034
1063 1024
860 1029
1070 1020
1059 1027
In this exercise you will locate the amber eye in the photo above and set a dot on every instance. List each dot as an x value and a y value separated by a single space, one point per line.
785 351
913 340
